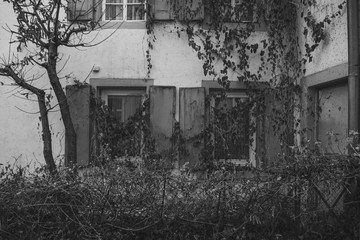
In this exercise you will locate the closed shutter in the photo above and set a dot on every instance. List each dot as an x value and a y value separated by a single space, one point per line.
79 105
162 115
80 10
192 122
162 9
272 128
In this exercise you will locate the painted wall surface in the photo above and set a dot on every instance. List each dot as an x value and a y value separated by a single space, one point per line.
333 50
118 54
329 65
20 133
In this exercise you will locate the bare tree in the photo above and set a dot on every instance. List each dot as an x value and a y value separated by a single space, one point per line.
43 29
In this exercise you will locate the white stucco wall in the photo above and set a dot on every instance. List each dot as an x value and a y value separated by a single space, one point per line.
20 136
122 55
333 50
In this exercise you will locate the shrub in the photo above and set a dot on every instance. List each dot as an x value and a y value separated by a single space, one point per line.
125 200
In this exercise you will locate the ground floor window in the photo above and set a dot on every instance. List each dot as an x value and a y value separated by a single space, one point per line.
122 104
231 124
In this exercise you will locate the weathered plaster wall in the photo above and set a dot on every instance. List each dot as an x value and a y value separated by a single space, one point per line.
122 55
329 67
333 50
20 137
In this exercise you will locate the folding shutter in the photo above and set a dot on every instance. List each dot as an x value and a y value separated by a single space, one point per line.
192 122
190 9
271 128
162 9
162 115
79 105
80 10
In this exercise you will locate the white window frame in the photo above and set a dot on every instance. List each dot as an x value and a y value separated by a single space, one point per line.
252 148
125 5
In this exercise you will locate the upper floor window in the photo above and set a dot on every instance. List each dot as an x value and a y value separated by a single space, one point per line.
124 10
240 10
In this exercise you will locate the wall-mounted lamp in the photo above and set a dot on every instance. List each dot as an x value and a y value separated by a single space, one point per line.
96 69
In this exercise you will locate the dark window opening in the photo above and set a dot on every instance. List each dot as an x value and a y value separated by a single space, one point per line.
231 128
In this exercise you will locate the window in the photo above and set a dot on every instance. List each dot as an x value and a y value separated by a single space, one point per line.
122 104
124 10
233 128
240 11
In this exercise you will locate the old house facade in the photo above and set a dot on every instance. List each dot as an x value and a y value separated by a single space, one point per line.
123 69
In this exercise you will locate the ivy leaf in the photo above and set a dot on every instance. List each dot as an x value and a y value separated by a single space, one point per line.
305 32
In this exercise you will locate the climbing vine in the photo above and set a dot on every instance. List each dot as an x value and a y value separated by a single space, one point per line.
254 42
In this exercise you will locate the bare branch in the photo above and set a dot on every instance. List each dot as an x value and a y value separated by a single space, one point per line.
9 72
72 31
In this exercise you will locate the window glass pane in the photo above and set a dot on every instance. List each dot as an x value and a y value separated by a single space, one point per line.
231 130
115 105
135 1
114 12
114 1
131 105
135 12
123 107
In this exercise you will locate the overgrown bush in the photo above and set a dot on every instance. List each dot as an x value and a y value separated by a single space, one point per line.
127 200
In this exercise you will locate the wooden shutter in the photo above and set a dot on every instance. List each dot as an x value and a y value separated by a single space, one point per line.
79 105
190 9
162 115
80 10
192 122
162 9
271 139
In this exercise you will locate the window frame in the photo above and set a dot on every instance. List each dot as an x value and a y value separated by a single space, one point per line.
252 121
124 4
233 18
310 84
254 16
105 93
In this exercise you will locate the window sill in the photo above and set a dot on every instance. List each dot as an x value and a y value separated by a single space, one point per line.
122 25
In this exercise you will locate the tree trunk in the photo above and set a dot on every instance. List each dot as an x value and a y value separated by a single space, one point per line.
46 134
70 134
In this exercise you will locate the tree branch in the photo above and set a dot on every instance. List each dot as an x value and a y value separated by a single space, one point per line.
9 72
72 31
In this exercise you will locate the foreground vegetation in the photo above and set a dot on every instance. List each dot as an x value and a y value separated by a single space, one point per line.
148 200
